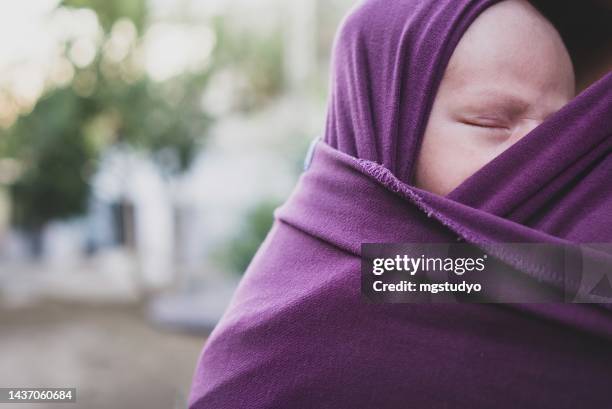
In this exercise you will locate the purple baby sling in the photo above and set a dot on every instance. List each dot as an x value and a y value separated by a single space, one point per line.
299 334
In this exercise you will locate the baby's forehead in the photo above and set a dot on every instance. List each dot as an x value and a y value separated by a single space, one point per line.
510 41
509 31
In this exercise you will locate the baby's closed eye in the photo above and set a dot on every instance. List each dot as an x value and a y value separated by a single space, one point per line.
487 122
490 110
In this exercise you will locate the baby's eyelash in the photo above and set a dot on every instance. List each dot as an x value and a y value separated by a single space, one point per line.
485 124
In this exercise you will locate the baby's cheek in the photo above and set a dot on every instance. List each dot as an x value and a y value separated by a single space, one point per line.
451 154
446 159
472 149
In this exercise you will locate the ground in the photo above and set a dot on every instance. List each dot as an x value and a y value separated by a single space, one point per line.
111 354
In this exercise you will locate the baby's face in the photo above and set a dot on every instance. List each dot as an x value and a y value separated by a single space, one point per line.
508 73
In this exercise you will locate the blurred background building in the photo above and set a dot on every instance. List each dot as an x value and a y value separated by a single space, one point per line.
143 147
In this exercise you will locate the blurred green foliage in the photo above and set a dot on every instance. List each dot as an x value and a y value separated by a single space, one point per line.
56 159
60 141
109 11
237 253
165 119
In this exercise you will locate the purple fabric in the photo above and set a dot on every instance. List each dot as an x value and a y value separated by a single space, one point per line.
298 333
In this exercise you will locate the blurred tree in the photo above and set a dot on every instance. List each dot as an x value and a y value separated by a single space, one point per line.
107 102
164 119
112 101
55 156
